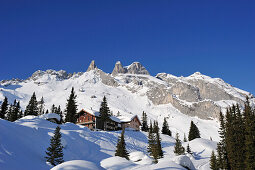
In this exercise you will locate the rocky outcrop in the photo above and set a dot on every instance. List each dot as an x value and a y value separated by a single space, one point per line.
92 66
60 75
136 68
118 68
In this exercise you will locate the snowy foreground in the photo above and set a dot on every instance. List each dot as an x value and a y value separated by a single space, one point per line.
24 142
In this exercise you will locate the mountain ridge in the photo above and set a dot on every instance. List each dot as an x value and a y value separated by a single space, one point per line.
195 95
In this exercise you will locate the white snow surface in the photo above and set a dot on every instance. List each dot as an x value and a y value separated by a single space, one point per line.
24 142
50 116
77 165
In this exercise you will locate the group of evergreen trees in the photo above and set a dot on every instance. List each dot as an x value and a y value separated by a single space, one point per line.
236 149
154 141
10 112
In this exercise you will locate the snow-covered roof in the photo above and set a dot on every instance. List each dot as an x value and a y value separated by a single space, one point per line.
119 119
50 116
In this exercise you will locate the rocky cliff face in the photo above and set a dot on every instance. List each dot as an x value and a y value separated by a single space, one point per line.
92 66
137 68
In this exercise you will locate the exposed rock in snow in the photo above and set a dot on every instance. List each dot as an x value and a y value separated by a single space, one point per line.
137 68
92 66
118 68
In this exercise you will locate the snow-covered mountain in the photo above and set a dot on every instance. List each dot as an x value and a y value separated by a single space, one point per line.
131 90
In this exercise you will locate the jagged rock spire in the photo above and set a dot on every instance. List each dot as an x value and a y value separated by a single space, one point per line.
118 68
137 68
92 66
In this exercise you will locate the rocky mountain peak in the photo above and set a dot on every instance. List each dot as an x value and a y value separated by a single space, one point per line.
118 68
136 68
61 74
92 66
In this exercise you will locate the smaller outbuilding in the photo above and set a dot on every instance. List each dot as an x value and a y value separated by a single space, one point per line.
52 117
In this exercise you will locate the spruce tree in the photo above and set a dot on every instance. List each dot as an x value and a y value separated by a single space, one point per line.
55 150
188 149
144 122
213 162
165 128
222 157
193 131
249 119
13 111
4 108
104 113
178 148
121 146
158 140
71 108
32 108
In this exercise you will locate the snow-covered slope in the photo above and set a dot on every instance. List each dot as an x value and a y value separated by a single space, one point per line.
24 142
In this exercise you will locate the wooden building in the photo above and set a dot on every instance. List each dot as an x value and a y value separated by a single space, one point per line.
90 118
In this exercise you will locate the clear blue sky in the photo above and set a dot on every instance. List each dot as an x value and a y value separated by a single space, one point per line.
215 37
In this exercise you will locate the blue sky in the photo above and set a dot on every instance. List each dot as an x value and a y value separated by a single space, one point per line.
215 37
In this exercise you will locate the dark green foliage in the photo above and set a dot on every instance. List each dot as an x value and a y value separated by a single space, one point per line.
4 108
13 111
144 123
178 148
41 106
236 150
193 132
32 108
104 113
213 162
154 141
158 140
188 149
249 119
121 146
55 151
71 108
222 158
165 128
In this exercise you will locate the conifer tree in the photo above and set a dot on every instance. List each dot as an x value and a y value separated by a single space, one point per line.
150 140
13 111
104 113
193 132
178 148
53 109
47 111
188 149
249 119
222 158
121 146
55 150
158 140
71 108
4 108
213 162
32 108
41 105
165 128
144 122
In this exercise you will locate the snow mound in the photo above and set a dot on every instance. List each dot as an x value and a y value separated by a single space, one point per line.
140 158
117 163
76 165
184 161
